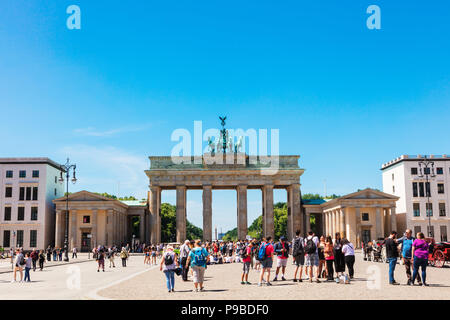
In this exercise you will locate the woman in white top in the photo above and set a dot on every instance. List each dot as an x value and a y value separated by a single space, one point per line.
349 256
169 263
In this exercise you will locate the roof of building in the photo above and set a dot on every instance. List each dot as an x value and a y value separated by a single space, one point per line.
31 160
141 203
418 157
313 201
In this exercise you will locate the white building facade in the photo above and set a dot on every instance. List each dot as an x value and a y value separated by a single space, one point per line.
401 177
27 213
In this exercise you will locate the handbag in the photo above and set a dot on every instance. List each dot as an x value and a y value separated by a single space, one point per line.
177 271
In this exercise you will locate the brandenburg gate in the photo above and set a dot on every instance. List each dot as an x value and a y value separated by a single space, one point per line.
236 171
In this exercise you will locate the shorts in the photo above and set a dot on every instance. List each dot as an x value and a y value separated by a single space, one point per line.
299 260
267 263
246 267
312 260
281 262
199 274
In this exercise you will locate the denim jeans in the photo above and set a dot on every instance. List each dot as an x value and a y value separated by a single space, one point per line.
392 265
170 279
420 263
27 274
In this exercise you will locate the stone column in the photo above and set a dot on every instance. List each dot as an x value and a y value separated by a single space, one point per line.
181 214
325 219
110 227
142 227
393 219
158 217
342 222
308 222
73 229
94 228
59 232
207 213
155 193
296 210
378 224
241 193
268 221
290 220
333 222
358 227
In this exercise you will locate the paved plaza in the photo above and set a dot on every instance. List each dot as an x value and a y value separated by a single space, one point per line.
138 281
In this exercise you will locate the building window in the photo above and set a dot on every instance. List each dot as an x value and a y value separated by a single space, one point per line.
21 213
35 173
427 188
56 179
439 170
7 214
426 171
19 242
417 229
442 209
9 174
430 231
55 191
86 219
34 213
392 177
421 190
416 209
8 192
429 207
444 233
393 189
414 171
33 238
22 193
35 193
440 188
415 193
22 174
365 217
28 193
6 238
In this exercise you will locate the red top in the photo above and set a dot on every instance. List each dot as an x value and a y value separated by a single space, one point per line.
248 258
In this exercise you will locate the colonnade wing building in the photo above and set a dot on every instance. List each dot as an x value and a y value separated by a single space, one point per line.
236 171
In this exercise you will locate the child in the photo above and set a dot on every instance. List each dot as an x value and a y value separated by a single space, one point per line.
28 266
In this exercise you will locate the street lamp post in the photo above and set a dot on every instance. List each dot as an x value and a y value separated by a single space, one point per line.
426 167
66 167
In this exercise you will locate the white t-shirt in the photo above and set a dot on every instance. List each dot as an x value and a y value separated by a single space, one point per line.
348 250
315 240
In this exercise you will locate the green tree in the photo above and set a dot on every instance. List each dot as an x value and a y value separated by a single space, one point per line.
169 223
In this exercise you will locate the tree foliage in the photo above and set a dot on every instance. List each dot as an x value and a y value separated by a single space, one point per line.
169 224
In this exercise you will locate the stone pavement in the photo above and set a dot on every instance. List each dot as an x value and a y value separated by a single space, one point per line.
223 282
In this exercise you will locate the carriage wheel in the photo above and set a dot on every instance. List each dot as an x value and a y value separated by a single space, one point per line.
439 259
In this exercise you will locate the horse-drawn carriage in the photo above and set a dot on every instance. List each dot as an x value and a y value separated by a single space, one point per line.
439 253
374 251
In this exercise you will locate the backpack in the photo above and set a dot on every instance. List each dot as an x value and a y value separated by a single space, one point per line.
298 249
243 252
168 259
199 258
262 252
310 247
22 260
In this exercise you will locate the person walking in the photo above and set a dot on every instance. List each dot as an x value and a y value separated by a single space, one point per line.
60 253
420 258
298 254
312 259
329 258
282 250
34 257
124 256
265 256
339 260
406 248
28 266
101 260
41 260
19 263
111 257
392 255
184 254
246 261
168 264
74 253
49 253
198 258
349 256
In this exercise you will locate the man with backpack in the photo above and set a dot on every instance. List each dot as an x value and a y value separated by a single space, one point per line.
312 256
298 253
184 253
168 264
265 255
198 258
282 250
246 256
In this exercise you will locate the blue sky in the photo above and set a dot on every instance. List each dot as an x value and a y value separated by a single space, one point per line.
345 98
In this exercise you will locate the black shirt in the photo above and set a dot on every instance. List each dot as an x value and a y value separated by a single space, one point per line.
391 248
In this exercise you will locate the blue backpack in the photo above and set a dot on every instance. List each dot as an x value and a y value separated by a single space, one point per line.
262 252
199 258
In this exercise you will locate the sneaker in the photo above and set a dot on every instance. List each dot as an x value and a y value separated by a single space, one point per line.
295 280
202 289
242 282
408 283
317 281
12 281
98 270
419 283
259 284
275 279
247 282
195 290
300 280
395 283
426 284
283 279
268 284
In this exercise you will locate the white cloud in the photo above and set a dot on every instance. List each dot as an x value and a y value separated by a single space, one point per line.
106 169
